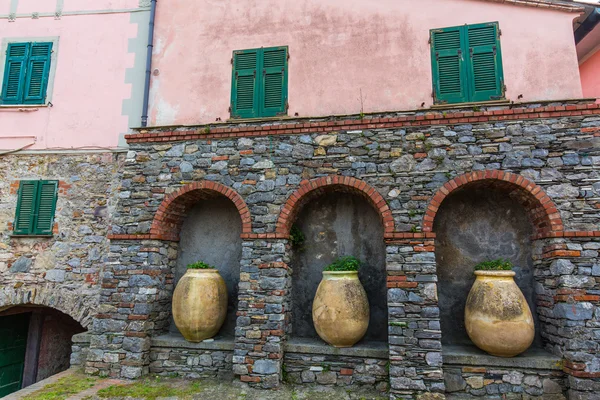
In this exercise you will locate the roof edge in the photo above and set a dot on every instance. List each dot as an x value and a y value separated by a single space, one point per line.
545 4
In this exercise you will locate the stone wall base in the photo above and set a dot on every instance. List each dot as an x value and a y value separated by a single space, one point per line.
468 373
309 361
171 355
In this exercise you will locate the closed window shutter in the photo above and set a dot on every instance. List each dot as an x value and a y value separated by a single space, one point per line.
26 205
485 62
244 94
47 193
14 73
274 83
38 69
448 65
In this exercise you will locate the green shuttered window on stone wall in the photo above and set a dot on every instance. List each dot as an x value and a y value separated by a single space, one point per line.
26 73
36 205
467 64
259 83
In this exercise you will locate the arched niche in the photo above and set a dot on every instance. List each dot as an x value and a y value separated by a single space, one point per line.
338 222
481 221
210 232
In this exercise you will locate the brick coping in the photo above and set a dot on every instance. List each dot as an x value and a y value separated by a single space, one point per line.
429 118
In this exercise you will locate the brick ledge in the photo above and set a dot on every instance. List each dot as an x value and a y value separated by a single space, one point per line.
428 119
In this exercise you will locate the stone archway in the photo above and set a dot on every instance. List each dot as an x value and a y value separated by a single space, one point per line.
309 190
68 303
541 209
171 213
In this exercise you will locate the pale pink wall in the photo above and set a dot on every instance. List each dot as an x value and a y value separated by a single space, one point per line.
43 6
89 88
590 76
339 47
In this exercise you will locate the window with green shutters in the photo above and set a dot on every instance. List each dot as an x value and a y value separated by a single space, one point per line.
36 205
467 64
259 82
26 73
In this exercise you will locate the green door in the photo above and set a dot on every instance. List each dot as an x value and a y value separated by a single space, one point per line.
13 342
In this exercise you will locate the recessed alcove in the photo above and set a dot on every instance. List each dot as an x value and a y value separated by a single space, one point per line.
336 224
476 223
211 233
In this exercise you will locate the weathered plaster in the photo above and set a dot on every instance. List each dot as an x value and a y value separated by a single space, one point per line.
590 76
96 92
339 49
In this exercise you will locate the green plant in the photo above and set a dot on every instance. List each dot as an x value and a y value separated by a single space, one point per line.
200 265
207 130
476 108
297 238
326 367
414 229
348 263
494 265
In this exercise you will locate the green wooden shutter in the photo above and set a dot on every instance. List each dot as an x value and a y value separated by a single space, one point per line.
273 93
46 206
448 65
244 93
38 69
14 73
26 207
486 81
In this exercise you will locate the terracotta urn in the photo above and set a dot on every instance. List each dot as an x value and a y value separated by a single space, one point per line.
497 316
200 304
341 309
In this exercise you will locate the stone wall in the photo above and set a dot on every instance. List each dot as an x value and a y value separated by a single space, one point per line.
505 383
405 165
79 349
336 370
171 355
63 271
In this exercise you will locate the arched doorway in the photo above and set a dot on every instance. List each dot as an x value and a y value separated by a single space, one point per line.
35 343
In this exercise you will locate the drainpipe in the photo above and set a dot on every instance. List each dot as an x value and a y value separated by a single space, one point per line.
148 63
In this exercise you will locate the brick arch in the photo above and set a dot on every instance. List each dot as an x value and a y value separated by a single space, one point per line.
69 303
172 212
309 190
541 209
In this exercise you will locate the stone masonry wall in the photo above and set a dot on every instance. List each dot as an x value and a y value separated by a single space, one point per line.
190 363
505 383
405 164
336 370
63 271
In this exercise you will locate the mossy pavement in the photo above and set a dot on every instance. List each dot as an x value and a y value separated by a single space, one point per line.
73 385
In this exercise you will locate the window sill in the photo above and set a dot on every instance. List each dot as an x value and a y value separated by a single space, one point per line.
317 346
23 107
30 236
534 358
503 102
258 119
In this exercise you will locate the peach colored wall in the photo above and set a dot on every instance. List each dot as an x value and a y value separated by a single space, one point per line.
94 53
339 47
590 76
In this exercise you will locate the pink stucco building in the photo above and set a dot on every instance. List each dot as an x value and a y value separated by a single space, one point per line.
71 85
587 37
95 76
347 57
